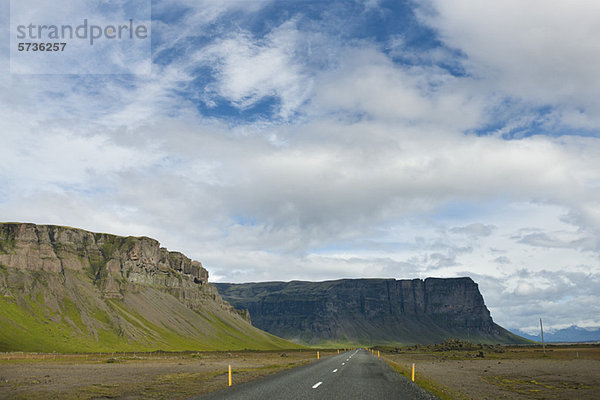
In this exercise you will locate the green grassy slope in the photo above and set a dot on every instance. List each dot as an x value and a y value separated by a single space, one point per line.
46 312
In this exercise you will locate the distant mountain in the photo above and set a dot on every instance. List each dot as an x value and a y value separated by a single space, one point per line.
570 334
369 311
69 290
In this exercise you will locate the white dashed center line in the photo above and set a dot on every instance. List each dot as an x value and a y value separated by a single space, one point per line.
316 385
343 363
335 370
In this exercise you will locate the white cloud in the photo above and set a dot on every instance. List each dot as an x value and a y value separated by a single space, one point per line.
248 70
364 169
502 260
520 299
370 83
543 52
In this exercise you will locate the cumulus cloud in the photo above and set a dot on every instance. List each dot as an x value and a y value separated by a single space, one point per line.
370 83
541 52
358 156
524 297
248 70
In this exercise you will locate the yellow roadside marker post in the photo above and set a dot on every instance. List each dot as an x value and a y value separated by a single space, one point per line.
413 372
317 355
377 353
338 351
230 375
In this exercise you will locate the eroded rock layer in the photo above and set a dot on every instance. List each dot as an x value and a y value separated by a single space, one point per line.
369 311
67 289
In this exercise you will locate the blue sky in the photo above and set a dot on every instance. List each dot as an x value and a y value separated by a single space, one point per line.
279 140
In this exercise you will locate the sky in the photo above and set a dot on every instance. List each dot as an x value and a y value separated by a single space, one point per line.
311 140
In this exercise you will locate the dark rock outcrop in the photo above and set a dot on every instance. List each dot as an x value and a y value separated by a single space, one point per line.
369 311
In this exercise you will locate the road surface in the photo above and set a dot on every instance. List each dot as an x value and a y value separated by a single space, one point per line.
352 375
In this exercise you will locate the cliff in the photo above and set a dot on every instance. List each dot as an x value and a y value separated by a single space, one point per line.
66 289
369 311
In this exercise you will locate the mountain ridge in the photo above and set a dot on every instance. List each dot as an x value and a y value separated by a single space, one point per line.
369 311
67 289
572 334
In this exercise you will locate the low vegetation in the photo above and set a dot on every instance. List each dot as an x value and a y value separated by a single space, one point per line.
459 370
157 375
47 312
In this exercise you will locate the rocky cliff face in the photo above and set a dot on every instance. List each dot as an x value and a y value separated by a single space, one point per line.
62 287
110 261
369 311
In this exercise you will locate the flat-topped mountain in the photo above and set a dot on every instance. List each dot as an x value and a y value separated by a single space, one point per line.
369 311
66 289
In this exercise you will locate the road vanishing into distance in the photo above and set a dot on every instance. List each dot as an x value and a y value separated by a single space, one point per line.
352 375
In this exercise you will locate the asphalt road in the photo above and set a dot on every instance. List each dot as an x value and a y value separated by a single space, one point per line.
352 375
